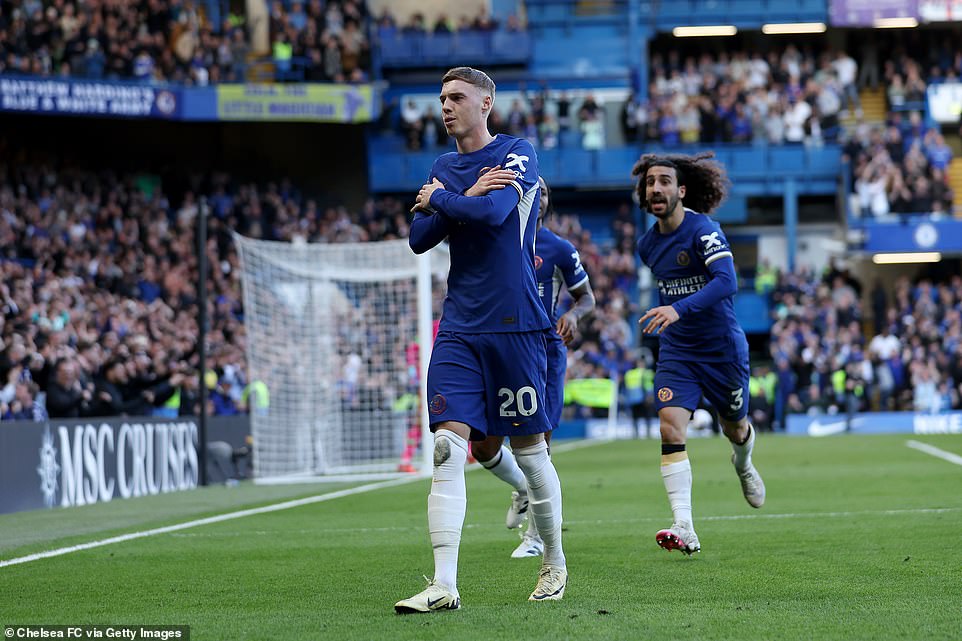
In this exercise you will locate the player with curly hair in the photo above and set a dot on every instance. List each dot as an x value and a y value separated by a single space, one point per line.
703 351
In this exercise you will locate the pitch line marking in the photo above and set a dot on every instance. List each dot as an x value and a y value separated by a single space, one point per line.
276 507
934 451
647 519
230 516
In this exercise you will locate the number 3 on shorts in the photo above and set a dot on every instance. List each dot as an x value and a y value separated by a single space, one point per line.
737 399
527 401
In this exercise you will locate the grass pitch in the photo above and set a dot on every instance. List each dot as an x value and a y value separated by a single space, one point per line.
860 539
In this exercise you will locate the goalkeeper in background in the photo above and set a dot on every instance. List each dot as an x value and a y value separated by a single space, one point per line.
557 265
703 351
488 367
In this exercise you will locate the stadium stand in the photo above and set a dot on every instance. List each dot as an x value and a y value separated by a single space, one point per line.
782 107
101 312
185 42
73 237
826 360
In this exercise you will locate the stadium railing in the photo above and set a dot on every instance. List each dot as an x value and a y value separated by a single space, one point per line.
409 50
569 14
754 170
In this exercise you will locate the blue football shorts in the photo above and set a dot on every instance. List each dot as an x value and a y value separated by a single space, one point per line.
494 383
683 383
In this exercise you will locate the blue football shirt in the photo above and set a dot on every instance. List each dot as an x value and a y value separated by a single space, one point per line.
491 283
683 263
556 263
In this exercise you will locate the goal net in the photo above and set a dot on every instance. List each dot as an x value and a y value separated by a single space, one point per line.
334 337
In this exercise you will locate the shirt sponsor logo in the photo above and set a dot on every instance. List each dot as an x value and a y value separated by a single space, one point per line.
712 242
517 161
682 286
575 256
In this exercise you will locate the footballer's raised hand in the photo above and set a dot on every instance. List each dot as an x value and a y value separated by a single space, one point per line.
491 179
661 317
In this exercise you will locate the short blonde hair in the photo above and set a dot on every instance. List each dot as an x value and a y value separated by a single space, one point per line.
471 76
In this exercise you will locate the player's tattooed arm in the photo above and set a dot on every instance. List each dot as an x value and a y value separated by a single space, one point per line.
584 303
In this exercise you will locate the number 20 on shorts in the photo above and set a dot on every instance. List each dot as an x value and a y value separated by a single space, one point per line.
527 401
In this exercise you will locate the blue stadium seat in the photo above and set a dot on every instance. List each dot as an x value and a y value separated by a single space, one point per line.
545 12
823 159
577 166
733 210
548 160
438 48
614 165
790 158
569 139
749 163
510 47
400 49
471 45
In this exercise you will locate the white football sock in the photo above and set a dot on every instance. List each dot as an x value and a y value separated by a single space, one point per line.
544 496
743 452
446 505
506 468
677 478
532 530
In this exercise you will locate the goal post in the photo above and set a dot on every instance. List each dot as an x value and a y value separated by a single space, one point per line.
339 336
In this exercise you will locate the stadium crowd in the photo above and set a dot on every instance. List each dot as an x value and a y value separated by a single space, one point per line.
802 96
176 41
98 287
99 304
388 23
787 96
899 168
825 359
545 117
793 95
99 299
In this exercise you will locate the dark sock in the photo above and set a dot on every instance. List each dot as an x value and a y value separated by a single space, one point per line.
672 448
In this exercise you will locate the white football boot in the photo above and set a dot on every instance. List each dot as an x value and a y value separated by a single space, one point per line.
531 545
517 511
753 487
680 536
433 598
551 584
